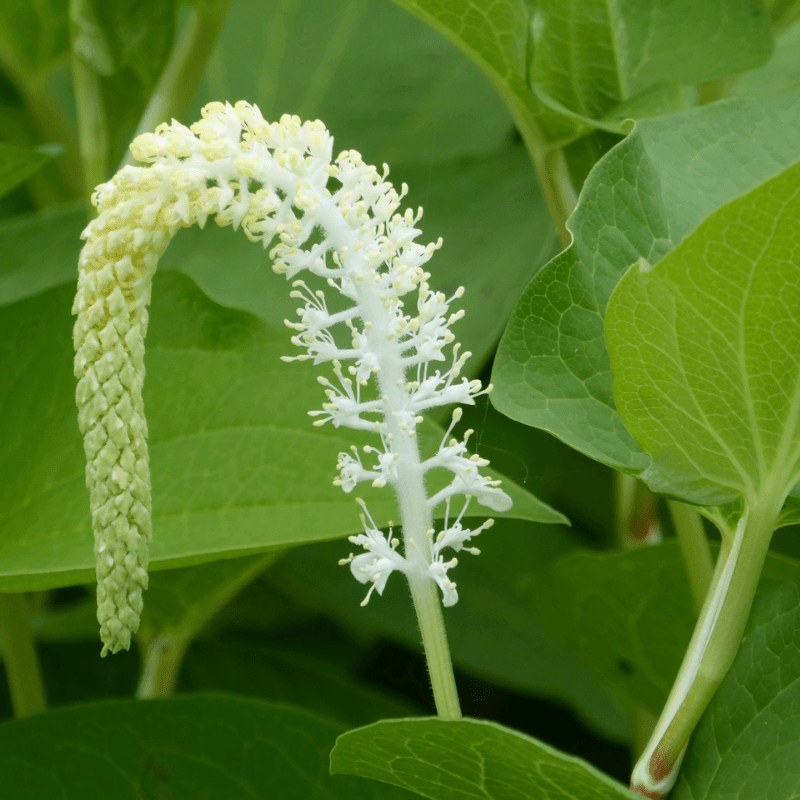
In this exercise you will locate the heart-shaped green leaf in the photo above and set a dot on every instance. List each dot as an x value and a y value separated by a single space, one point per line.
645 196
704 350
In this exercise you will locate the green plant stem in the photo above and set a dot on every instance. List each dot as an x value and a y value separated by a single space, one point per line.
412 500
184 69
712 649
163 656
428 608
92 124
556 185
19 654
164 645
695 549
550 165
636 513
417 544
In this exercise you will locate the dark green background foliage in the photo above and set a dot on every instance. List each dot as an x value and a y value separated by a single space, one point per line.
679 122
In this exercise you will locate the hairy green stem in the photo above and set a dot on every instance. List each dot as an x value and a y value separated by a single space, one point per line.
418 546
694 547
428 608
19 654
712 649
182 73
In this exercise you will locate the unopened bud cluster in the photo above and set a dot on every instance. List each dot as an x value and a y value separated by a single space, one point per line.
388 343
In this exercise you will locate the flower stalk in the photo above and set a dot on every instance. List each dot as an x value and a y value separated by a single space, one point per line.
337 219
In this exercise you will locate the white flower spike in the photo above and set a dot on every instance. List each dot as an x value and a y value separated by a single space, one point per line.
336 218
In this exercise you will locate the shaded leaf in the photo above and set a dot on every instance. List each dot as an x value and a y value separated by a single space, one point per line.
495 35
629 615
181 601
40 251
214 747
284 675
456 760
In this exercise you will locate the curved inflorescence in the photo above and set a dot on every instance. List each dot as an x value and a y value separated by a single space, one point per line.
337 219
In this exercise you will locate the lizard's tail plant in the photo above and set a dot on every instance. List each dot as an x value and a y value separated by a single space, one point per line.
339 220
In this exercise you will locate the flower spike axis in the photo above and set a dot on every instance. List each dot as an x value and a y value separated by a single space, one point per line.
336 218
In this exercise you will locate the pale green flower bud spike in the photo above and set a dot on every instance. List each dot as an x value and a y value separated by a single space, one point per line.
279 182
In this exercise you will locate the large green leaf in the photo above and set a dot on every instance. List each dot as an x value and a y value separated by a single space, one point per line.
522 653
214 747
645 196
704 350
629 615
570 65
237 467
747 745
466 759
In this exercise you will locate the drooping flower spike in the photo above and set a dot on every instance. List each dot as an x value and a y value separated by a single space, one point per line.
388 347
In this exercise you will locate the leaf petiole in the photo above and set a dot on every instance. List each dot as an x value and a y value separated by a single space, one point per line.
712 649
